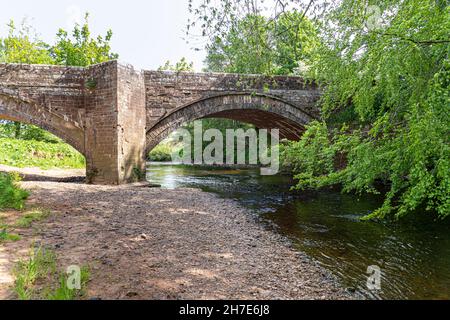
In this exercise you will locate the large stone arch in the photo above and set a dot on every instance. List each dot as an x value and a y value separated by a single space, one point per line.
18 110
263 111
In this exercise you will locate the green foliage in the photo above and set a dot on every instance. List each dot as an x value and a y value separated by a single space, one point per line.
27 272
30 153
17 130
22 46
139 174
34 215
11 195
62 292
180 66
82 49
162 153
245 49
396 79
258 45
78 49
219 124
5 236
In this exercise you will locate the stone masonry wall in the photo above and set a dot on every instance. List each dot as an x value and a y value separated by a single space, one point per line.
48 96
57 89
131 124
108 111
101 124
167 91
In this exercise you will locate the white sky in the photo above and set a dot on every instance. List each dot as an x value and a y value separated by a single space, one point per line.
146 32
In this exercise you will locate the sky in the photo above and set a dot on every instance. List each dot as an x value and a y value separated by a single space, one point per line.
147 33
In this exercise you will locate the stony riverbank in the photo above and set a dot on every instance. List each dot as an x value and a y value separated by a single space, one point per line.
149 243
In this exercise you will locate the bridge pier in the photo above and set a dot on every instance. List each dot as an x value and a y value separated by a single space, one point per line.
115 124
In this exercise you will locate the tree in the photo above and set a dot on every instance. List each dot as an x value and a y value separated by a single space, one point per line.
385 73
245 48
23 46
82 49
393 75
258 45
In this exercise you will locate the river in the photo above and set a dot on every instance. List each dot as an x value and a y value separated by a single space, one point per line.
413 254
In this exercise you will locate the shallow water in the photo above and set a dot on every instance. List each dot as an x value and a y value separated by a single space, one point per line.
414 254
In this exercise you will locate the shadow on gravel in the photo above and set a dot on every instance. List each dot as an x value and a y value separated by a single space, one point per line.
30 177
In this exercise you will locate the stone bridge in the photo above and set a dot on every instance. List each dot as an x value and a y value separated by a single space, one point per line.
114 114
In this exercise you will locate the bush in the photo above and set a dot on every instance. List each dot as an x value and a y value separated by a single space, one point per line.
162 153
11 195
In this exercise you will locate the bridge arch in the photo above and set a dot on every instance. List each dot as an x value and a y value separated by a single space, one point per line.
14 109
263 111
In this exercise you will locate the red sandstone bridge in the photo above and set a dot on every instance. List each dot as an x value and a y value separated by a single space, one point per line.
114 114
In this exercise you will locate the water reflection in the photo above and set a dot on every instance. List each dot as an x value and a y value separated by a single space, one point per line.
414 254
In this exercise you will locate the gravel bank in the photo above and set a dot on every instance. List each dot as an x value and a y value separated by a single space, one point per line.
146 243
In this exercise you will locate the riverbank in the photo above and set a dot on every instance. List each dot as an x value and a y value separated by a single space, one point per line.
147 243
42 154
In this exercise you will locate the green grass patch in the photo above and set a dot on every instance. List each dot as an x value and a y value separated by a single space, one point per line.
41 154
5 236
24 221
62 291
40 264
31 216
11 195
38 278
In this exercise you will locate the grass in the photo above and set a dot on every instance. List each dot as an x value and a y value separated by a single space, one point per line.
5 236
23 222
34 215
27 272
38 278
44 155
63 292
11 195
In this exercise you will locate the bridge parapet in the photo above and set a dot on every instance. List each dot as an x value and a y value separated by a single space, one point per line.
58 90
166 91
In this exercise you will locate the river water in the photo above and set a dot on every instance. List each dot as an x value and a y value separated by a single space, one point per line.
413 255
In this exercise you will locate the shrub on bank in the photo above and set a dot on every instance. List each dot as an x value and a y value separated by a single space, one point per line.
162 153
11 195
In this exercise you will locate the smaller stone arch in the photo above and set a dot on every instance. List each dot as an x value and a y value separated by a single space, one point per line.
14 109
263 111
